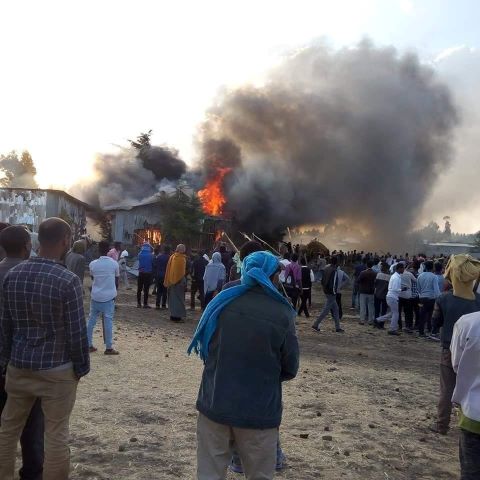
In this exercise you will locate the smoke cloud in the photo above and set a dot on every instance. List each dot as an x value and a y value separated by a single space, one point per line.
356 134
130 176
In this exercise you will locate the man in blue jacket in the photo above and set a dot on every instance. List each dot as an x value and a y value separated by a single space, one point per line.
247 340
145 270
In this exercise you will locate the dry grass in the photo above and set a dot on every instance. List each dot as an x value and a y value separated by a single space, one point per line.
375 395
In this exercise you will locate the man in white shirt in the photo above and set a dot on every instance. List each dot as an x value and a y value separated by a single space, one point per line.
465 348
394 290
284 263
105 272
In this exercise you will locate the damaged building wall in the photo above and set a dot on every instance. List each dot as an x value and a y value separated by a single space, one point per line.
129 224
31 206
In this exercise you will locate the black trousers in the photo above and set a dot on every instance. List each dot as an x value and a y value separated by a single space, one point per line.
197 286
416 311
306 293
31 439
405 305
381 306
143 283
426 312
161 292
469 455
294 294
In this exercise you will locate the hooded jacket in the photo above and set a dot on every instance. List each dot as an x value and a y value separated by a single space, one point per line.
145 259
215 274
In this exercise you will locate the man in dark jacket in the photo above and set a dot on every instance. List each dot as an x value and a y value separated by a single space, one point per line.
197 272
366 289
330 286
240 395
160 267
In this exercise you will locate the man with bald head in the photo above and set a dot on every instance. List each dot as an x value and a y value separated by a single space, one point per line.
43 340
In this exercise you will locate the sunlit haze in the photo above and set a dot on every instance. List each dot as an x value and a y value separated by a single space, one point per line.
80 77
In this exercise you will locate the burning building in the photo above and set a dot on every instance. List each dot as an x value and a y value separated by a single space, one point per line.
29 207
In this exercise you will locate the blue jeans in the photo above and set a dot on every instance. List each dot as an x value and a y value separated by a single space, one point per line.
330 305
107 309
367 304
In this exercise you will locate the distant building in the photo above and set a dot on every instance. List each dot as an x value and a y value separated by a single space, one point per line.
22 206
450 248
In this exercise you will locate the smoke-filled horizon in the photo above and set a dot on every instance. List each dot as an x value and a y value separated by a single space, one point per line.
359 134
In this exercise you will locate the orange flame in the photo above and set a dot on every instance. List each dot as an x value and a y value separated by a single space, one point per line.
212 196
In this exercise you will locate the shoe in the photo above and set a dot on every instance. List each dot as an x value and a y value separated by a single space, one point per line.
394 332
317 329
436 429
408 330
340 330
361 323
381 325
139 305
147 306
422 335
235 468
435 337
157 307
92 349
281 459
111 351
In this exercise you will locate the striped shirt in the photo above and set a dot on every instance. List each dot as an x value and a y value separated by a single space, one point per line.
43 322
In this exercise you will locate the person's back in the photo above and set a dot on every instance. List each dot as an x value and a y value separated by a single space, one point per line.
366 281
75 262
145 259
198 269
43 338
40 333
241 383
448 309
465 350
427 285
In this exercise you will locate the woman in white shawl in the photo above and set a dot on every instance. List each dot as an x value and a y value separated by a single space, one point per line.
214 277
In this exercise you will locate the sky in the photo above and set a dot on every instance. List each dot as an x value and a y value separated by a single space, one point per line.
81 77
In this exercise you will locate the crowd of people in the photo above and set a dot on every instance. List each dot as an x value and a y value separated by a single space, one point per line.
246 337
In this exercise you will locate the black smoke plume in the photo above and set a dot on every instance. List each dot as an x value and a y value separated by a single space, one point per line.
130 176
358 134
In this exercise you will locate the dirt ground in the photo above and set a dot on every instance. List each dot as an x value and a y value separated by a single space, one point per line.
359 408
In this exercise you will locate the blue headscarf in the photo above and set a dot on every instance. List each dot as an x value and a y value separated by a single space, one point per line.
257 269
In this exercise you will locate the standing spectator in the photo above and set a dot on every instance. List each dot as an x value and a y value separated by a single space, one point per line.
198 271
461 272
329 284
104 272
342 281
293 280
394 289
307 279
226 259
440 278
283 265
122 264
16 244
405 301
115 251
381 290
214 277
465 349
160 267
357 270
75 259
428 292
45 347
366 290
322 265
256 329
175 282
145 270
